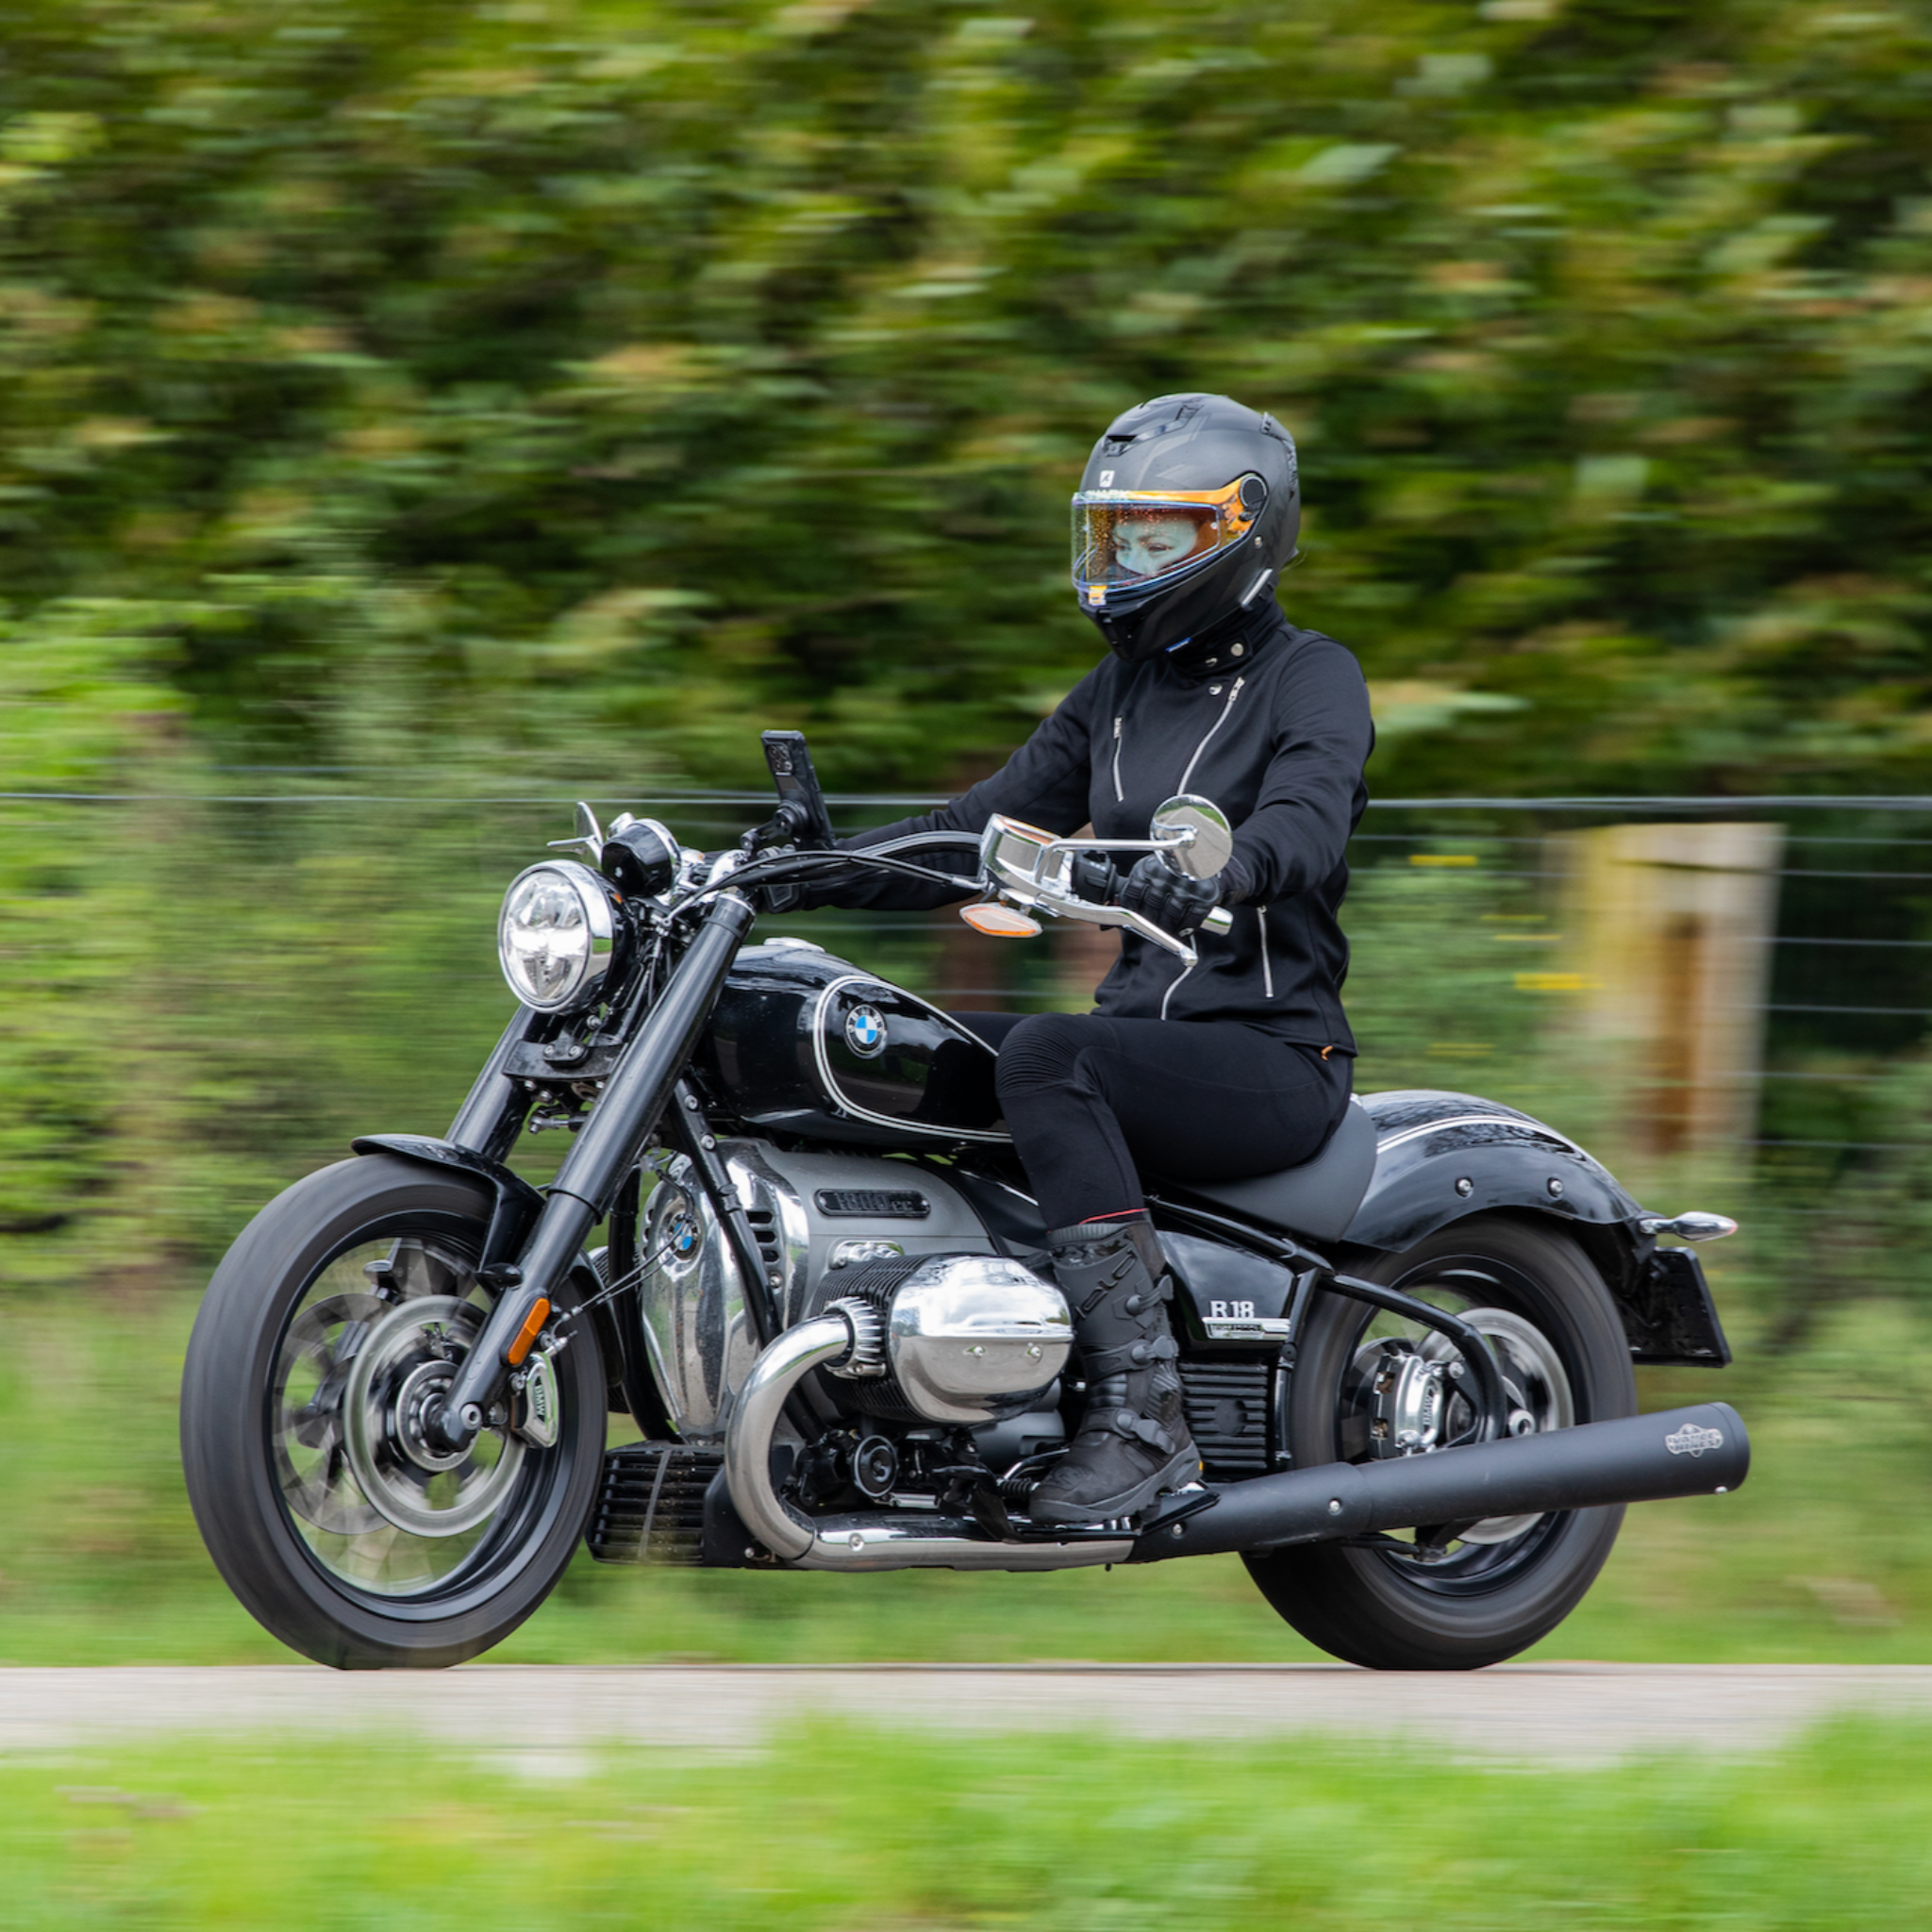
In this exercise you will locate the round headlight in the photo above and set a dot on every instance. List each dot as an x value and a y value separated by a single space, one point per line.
554 935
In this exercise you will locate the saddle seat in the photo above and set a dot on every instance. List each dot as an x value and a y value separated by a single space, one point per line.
1317 1199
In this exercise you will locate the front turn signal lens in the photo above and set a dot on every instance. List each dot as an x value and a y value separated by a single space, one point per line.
527 1334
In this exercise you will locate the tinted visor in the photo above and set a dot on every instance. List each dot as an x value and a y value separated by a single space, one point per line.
1125 538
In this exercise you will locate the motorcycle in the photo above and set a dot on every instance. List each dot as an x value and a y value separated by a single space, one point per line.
823 1299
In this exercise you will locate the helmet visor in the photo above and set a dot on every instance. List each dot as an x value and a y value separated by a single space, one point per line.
1125 539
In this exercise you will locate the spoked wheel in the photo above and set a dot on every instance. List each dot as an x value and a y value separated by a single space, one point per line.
331 1331
1368 1384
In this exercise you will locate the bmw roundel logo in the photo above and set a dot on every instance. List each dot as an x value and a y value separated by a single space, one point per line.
865 1032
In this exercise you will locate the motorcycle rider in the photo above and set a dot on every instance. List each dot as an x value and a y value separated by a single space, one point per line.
1187 512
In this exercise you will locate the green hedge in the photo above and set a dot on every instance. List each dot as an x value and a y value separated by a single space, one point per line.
591 384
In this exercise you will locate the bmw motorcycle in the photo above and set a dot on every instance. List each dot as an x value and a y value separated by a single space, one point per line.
823 1297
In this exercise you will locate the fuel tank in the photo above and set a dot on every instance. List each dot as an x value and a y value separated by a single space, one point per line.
804 1043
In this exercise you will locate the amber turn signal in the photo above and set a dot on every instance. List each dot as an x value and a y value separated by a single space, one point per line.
1000 922
527 1334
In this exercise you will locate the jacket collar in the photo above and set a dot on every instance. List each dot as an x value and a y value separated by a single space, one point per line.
1231 643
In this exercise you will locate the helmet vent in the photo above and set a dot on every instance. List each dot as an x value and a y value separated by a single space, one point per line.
1115 444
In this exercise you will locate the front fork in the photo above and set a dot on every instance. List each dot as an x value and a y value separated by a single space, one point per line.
620 1128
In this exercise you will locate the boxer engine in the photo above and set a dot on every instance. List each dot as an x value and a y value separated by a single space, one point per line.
948 1332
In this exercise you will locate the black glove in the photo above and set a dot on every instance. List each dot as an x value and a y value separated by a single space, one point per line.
1170 899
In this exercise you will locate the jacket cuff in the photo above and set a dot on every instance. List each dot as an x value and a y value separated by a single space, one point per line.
1236 882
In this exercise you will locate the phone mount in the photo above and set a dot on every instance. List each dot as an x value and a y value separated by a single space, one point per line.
801 817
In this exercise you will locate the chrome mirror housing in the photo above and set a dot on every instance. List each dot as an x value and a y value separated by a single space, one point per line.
1193 836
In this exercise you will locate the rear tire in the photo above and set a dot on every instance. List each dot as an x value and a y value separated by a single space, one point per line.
1487 1600
299 1381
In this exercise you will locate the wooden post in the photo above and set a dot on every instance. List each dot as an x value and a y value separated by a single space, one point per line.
1670 926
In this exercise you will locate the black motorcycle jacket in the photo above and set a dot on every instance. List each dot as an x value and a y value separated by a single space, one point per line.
1271 723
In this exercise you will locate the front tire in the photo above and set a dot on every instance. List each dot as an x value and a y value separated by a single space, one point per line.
1513 1583
331 1323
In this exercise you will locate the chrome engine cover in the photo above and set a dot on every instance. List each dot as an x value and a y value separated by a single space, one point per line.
814 1216
973 1338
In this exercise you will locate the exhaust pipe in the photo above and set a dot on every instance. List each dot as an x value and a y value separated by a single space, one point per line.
1643 1458
879 1539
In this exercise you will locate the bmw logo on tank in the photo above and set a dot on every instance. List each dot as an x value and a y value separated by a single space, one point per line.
865 1032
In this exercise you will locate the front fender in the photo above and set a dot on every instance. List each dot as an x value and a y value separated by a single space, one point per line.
518 1205
1444 1157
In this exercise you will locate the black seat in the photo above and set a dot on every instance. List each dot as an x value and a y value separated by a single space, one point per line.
1317 1199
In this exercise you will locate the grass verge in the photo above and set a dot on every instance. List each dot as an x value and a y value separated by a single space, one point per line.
839 1828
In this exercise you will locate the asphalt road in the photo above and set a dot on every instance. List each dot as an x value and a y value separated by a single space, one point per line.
546 1715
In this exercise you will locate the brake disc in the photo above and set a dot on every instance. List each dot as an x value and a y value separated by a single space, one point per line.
404 1369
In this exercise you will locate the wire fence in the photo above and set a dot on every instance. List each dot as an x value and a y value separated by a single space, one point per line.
1760 963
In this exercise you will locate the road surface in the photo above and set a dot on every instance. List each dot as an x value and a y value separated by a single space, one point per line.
1573 1713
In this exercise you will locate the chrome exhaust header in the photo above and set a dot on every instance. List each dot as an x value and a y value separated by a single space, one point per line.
869 1539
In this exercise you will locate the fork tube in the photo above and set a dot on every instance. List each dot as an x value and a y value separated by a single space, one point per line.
485 1124
618 1130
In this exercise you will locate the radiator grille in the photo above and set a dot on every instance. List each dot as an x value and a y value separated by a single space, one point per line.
651 1509
1228 1410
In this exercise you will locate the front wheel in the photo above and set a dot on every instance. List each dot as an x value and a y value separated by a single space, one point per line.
1363 1384
329 1332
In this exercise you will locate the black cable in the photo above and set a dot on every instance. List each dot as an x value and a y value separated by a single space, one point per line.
782 871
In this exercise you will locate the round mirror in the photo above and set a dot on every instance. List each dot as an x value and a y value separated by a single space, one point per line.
1194 835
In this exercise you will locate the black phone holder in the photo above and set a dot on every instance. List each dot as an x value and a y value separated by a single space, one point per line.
802 818
801 813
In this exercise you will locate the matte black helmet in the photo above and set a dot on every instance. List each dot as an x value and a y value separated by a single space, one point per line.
1186 510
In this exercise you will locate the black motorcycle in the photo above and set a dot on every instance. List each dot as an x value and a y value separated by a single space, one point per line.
823 1297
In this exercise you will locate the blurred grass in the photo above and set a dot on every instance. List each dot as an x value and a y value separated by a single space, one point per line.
840 1828
1825 1556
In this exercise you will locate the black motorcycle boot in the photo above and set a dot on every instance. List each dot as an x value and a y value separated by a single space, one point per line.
1133 1442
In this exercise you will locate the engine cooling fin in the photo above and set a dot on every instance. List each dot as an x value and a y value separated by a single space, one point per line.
651 1507
871 1281
1227 1413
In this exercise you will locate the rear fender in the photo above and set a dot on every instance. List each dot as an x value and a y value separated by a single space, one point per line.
1444 1157
1441 1158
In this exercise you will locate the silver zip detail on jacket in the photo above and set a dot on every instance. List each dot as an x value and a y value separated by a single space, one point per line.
1120 797
1219 722
1267 969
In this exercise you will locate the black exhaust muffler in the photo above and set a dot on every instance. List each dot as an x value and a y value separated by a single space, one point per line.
1681 1452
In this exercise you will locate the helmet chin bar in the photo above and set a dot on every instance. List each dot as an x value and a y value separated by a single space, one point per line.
1220 600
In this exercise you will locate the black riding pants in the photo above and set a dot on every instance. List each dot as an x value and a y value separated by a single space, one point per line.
1094 1103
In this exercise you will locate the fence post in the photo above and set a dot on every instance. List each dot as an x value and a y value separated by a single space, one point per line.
1673 926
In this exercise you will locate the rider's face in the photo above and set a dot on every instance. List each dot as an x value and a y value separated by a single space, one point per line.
1149 544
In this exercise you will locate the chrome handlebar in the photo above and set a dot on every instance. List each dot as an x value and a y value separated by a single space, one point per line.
1032 870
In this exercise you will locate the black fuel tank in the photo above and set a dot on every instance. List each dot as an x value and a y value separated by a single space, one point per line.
803 1042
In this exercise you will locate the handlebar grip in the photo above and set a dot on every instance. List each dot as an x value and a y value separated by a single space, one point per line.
1219 919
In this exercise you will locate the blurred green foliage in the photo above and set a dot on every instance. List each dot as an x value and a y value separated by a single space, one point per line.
602 382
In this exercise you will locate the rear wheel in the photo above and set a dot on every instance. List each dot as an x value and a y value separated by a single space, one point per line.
330 1330
1363 1382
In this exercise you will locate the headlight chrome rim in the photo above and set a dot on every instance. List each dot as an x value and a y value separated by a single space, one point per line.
598 925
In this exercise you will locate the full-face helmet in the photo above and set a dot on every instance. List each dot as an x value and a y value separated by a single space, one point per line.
1186 510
